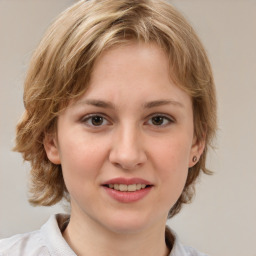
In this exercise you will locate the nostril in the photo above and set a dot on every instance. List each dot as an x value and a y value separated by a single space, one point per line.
126 166
127 153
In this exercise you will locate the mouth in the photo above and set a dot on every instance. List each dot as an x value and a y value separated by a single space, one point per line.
127 188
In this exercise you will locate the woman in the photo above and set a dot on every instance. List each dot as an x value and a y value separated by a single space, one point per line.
120 111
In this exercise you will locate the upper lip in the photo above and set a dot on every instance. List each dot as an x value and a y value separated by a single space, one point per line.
127 181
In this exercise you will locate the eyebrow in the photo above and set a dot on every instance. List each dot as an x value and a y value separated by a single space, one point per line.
159 103
97 103
147 105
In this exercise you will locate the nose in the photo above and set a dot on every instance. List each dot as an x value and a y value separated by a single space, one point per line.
127 151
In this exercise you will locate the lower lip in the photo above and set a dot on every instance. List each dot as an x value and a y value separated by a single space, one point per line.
128 197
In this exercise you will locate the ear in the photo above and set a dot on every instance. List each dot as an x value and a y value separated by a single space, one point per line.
197 150
51 148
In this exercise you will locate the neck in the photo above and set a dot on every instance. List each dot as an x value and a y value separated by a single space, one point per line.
88 238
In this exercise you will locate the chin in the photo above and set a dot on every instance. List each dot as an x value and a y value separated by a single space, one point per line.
128 223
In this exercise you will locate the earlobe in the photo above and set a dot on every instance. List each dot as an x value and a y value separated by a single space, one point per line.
51 148
196 152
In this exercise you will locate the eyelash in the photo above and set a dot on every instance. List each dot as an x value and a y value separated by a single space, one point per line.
89 118
165 118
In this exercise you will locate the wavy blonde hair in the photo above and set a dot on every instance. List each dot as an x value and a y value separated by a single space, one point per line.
60 71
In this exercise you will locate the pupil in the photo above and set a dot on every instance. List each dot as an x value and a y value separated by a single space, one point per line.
158 120
97 120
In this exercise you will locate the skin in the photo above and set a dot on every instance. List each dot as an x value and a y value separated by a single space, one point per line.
131 87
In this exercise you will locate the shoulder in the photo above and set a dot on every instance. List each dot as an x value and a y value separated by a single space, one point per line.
181 250
28 244
193 252
44 242
178 249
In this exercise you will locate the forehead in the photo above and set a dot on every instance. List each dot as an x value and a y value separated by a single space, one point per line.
134 60
137 71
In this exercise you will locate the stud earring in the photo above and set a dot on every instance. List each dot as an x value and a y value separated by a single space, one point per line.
194 159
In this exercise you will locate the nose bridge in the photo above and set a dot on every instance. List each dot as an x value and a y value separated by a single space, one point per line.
127 148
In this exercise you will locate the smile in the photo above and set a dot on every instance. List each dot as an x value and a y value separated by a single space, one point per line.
127 188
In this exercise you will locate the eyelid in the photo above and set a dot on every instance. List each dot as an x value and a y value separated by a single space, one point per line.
87 117
166 116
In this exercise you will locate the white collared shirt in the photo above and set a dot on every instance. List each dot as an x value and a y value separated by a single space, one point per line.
48 241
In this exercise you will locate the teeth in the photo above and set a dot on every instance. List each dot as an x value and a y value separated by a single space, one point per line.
132 187
124 187
138 186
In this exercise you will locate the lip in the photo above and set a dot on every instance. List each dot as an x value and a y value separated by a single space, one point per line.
127 197
121 180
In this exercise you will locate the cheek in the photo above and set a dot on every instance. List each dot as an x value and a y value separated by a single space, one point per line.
173 154
171 162
81 161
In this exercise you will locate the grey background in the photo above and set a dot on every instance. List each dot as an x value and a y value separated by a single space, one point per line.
222 219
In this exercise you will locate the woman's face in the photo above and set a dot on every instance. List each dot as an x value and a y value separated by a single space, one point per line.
125 147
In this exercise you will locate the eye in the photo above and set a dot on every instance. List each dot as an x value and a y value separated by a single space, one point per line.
95 120
160 120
